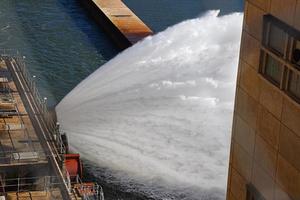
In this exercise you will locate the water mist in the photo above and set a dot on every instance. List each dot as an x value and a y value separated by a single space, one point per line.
159 115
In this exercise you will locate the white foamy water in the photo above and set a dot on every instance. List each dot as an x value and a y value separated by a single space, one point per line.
159 115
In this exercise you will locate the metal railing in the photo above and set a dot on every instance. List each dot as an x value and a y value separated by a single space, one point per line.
97 191
30 184
21 67
52 126
25 130
8 96
10 157
41 103
42 106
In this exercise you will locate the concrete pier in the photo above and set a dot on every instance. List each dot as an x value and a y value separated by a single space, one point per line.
120 23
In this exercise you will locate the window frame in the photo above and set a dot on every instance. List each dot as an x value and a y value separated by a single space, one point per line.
294 41
288 83
266 39
264 55
286 60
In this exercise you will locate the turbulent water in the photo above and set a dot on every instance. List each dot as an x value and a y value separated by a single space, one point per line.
157 117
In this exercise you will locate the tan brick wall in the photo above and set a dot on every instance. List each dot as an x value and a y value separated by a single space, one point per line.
265 148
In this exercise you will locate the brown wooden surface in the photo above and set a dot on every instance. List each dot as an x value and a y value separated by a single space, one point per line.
35 195
17 134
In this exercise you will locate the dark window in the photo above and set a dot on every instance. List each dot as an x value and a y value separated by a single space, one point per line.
294 85
296 53
253 194
273 70
277 39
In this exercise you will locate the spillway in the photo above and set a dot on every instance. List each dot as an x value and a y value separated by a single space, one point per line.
158 116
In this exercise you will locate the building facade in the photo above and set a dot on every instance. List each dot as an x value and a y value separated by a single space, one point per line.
265 150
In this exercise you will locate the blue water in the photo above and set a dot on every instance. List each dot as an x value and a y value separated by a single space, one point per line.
61 44
160 14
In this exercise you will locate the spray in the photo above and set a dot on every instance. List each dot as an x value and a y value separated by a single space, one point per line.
158 116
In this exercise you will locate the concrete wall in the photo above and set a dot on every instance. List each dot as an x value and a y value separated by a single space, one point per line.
265 148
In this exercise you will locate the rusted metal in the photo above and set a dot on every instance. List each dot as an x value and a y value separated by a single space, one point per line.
121 24
73 165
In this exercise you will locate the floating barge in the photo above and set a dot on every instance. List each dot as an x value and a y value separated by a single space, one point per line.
120 23
34 160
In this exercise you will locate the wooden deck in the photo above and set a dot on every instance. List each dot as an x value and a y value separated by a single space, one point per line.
19 143
35 195
119 21
28 155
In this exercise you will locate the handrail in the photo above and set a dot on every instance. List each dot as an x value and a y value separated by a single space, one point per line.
17 67
40 102
43 153
11 98
21 120
20 67
99 190
30 183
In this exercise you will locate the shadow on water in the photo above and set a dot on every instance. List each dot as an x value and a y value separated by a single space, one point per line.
93 31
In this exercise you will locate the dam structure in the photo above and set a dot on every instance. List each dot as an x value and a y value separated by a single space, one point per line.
34 159
120 23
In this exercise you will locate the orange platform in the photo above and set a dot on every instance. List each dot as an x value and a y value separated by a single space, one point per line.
118 21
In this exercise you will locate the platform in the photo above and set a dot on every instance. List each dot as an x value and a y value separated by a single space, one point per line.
121 24
19 143
35 195
29 158
34 160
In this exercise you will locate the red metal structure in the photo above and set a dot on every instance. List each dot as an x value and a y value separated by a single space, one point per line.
73 165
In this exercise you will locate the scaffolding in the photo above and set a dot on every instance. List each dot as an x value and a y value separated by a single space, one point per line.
46 187
21 146
13 129
21 149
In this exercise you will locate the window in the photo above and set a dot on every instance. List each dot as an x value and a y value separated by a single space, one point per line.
273 69
280 56
294 85
277 39
296 53
253 194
